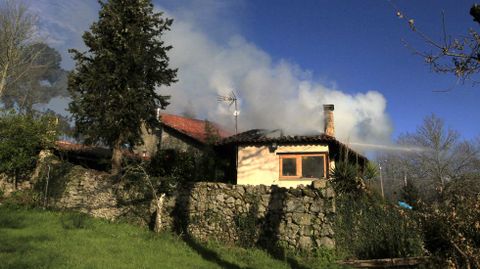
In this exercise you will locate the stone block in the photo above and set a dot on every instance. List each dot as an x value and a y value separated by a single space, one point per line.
230 200
319 184
220 197
316 206
295 205
302 218
308 192
325 242
305 243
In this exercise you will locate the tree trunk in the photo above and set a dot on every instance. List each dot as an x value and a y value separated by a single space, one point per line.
3 80
158 215
117 158
15 181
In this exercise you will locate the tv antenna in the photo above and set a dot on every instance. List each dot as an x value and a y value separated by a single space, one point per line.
231 100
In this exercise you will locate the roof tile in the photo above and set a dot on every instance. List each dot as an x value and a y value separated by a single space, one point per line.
192 127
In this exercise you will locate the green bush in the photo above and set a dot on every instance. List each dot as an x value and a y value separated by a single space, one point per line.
21 139
366 227
176 167
349 178
173 167
21 198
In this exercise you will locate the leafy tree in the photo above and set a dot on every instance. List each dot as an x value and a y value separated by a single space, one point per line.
42 83
21 139
17 55
113 84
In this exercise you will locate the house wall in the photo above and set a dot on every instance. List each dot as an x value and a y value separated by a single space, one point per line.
150 142
258 165
168 140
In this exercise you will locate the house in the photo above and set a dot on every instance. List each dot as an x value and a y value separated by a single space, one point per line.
180 133
271 158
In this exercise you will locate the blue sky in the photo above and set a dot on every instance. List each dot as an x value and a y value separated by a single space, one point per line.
285 58
358 45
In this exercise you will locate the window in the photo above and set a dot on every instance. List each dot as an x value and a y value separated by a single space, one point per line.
303 165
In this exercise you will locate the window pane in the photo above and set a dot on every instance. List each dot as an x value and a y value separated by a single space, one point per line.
289 167
312 166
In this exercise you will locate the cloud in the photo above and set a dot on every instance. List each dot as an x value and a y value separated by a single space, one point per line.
274 93
63 22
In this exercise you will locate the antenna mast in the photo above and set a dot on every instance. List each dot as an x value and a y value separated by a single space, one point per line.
231 100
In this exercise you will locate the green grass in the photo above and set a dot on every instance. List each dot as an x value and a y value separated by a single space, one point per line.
45 239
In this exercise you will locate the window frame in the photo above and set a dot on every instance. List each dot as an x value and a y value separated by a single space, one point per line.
298 157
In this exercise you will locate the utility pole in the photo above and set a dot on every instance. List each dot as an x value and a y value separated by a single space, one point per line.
381 180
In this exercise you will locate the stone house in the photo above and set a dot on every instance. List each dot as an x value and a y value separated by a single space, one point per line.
271 158
180 133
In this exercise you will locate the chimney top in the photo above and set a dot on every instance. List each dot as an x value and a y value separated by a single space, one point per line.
328 107
329 126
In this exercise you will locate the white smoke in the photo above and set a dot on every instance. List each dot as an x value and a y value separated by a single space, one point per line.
273 93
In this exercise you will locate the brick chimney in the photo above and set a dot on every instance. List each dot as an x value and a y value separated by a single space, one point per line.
329 125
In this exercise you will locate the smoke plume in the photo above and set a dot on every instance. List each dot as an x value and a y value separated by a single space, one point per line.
273 93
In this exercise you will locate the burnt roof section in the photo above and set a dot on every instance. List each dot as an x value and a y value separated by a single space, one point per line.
262 137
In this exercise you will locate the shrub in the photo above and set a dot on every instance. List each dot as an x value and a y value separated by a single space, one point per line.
367 227
173 167
452 230
349 179
177 167
53 178
22 198
21 139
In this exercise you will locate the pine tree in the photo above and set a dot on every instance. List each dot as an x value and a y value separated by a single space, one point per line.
113 84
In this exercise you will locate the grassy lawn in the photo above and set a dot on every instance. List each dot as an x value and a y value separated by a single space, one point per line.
44 239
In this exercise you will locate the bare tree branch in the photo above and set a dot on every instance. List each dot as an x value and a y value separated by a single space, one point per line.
459 56
17 35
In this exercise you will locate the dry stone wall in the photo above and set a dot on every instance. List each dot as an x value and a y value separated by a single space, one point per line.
299 218
270 216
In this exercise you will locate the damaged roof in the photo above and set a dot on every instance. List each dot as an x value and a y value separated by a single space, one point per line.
192 128
262 137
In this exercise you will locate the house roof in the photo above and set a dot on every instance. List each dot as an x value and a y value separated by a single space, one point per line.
262 137
91 150
192 128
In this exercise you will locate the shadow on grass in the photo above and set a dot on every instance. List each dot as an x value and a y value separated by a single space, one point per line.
11 221
19 252
180 225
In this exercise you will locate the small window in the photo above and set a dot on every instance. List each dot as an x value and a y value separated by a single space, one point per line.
307 165
289 167
313 166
